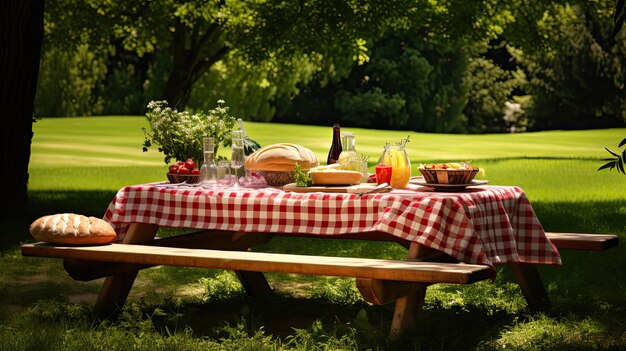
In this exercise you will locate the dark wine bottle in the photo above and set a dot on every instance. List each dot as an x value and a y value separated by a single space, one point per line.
335 147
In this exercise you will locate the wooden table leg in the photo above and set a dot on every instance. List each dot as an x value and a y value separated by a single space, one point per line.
254 283
532 287
115 289
407 307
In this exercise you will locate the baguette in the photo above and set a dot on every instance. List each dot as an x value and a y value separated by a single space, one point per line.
73 229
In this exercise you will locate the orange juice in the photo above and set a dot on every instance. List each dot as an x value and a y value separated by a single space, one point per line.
396 157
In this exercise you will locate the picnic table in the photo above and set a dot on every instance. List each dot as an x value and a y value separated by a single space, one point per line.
445 233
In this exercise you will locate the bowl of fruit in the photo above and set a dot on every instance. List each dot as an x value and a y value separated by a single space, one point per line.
183 172
448 173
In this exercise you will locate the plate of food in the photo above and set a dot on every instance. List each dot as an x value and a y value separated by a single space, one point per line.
450 176
448 173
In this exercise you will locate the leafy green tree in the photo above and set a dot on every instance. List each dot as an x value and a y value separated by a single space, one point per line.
413 78
576 73
489 88
197 34
67 81
252 89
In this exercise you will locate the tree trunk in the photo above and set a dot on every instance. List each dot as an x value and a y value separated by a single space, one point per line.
192 55
21 32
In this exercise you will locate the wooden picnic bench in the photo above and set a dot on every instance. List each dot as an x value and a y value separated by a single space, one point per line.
580 241
379 281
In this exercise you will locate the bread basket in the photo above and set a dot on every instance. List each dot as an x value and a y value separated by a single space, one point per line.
448 176
180 178
278 178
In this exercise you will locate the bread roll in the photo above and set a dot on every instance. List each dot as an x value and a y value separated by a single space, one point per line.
281 157
74 229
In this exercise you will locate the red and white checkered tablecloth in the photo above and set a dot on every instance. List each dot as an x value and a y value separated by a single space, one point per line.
487 225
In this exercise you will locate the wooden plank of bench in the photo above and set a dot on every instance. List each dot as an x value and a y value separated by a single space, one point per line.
579 241
216 240
430 272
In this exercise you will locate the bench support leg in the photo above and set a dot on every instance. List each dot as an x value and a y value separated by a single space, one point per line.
113 294
405 313
380 292
115 289
254 283
407 307
532 287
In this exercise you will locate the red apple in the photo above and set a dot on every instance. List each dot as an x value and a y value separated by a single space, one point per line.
190 164
183 170
195 171
173 168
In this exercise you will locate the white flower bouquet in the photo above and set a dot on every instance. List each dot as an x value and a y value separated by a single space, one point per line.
178 135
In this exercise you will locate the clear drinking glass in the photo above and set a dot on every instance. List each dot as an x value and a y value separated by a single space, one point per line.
237 156
223 172
356 164
208 171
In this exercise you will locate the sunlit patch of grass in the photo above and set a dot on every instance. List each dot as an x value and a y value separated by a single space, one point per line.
545 333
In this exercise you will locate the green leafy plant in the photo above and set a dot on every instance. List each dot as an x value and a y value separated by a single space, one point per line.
302 178
179 134
617 161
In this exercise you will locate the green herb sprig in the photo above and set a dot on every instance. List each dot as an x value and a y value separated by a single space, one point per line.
403 142
302 179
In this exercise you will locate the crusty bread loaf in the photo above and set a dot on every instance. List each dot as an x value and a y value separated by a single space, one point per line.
69 228
281 157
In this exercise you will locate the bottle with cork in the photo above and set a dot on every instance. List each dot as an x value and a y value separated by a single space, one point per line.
335 147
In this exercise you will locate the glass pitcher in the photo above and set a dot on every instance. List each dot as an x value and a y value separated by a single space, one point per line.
348 150
396 157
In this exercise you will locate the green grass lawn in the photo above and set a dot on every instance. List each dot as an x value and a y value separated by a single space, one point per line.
77 165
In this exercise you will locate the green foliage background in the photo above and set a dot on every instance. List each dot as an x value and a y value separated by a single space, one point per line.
433 66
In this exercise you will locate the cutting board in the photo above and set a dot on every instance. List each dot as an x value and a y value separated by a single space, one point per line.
332 188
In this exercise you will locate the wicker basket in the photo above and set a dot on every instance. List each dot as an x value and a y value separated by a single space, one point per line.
179 178
278 178
448 176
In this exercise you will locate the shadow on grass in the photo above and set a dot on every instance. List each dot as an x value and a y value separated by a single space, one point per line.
285 317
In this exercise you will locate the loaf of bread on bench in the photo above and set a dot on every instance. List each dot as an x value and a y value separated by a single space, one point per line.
73 229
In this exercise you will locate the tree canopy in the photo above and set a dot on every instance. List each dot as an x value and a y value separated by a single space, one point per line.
197 34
